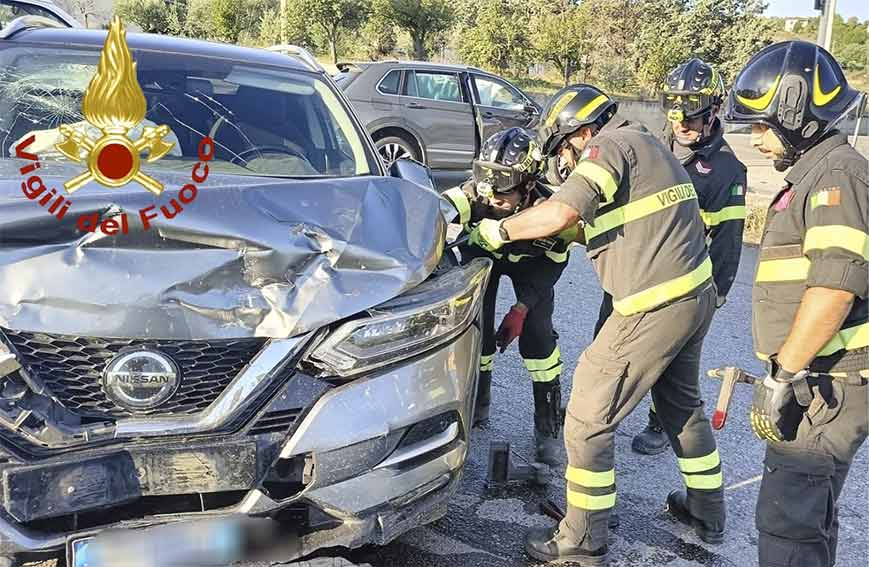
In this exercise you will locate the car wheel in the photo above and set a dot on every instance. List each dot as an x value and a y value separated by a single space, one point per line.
393 148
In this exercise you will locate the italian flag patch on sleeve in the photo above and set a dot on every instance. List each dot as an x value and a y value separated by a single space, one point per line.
829 197
737 190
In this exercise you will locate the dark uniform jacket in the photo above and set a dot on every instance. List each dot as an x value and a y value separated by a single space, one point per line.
472 208
720 181
816 236
643 229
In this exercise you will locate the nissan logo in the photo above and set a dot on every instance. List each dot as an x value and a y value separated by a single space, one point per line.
141 380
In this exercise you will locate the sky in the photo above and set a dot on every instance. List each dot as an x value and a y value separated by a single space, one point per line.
845 8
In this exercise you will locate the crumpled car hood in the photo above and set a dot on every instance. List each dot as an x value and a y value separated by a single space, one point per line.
250 257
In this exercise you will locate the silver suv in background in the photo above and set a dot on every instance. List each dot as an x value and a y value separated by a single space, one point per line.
13 9
434 113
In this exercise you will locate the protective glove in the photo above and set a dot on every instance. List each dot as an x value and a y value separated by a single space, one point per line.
511 326
780 400
489 235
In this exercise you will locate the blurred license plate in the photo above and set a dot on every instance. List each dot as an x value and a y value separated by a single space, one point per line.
78 553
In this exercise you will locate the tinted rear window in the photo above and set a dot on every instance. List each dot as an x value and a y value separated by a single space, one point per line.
389 84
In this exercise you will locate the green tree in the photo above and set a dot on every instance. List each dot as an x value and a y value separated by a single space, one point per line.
297 29
424 20
153 16
851 44
613 28
230 21
378 34
560 35
662 41
334 18
726 33
500 37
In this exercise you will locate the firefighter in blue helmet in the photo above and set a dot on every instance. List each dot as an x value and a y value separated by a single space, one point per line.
505 181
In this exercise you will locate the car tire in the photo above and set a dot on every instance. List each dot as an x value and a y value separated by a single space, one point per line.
392 148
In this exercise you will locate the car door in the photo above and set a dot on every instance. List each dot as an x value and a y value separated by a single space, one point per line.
500 105
437 107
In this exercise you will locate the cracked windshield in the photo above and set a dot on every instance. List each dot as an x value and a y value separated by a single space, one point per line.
264 121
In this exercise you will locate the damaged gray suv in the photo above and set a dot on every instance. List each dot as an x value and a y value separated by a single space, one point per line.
256 319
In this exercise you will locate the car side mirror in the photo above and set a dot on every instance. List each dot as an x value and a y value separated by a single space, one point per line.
531 109
413 171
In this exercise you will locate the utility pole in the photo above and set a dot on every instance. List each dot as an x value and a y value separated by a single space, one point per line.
825 23
283 22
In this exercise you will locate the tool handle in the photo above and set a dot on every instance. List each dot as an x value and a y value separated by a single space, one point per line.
729 377
458 242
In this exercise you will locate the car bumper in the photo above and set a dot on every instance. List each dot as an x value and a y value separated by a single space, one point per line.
382 454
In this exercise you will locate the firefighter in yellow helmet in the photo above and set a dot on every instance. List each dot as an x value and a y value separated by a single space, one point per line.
809 300
691 98
645 237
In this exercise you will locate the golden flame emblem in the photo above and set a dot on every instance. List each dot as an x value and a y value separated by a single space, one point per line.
114 103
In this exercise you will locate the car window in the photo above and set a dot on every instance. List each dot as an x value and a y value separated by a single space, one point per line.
499 95
389 83
264 121
11 10
434 86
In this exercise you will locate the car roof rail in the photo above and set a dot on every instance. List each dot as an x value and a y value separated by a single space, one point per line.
28 22
300 53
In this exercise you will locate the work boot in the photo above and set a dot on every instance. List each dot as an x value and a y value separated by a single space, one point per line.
550 545
651 440
484 398
547 422
677 505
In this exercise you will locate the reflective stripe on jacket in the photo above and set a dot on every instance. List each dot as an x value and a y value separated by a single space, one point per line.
644 233
720 181
816 235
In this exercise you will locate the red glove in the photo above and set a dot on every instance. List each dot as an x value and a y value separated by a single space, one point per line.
511 326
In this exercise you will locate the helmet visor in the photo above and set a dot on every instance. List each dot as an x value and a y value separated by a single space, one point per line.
499 178
684 106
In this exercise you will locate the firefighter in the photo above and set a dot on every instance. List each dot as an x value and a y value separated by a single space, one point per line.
505 181
691 98
809 298
644 236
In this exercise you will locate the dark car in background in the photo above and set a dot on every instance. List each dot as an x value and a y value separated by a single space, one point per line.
280 334
434 113
13 9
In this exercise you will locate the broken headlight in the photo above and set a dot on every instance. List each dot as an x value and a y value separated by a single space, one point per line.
427 316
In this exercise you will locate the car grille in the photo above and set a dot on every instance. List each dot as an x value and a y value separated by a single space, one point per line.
275 422
72 367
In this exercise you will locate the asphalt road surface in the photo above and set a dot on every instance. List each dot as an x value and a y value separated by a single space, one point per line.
485 527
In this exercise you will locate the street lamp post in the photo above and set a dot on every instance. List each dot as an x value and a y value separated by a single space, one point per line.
283 22
825 24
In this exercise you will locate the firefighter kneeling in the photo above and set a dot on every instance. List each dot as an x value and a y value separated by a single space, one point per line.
505 182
